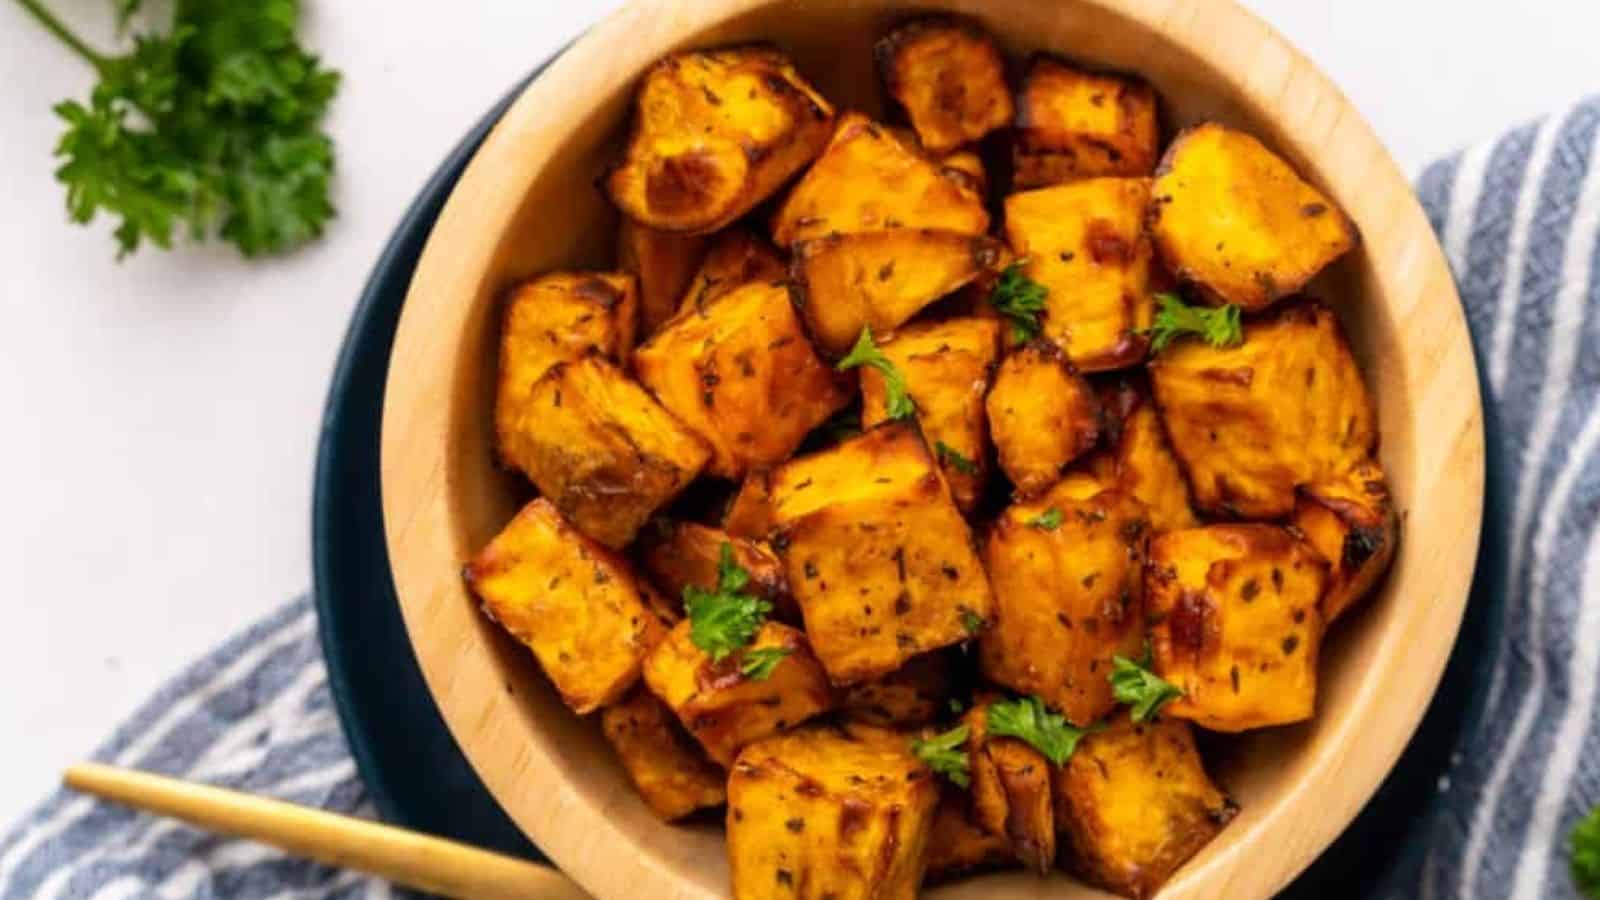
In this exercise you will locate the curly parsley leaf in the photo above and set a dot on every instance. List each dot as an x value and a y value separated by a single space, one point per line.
1586 855
724 620
943 754
897 401
953 458
1049 520
1020 300
211 129
1030 720
1218 326
1143 690
971 622
760 663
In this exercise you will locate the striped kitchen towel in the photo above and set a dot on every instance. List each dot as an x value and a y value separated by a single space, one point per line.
1520 220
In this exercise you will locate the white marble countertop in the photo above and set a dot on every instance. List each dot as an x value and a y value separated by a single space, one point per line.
162 413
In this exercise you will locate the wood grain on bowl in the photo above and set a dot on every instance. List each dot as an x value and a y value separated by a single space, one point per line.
528 204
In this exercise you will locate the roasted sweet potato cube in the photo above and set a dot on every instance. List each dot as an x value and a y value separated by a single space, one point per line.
959 844
843 283
741 374
735 258
1011 792
1085 243
715 133
947 366
870 180
877 553
1253 422
1074 124
664 262
666 767
1235 624
829 814
1135 803
910 696
1042 416
749 513
970 164
723 708
1230 217
679 554
1351 521
1067 573
604 452
556 318
1137 457
949 77
575 604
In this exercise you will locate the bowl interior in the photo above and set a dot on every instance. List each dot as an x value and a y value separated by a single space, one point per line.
528 204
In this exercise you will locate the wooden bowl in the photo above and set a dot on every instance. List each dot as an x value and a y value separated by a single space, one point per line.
528 204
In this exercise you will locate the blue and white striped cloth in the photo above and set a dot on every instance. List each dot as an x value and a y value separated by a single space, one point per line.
1520 221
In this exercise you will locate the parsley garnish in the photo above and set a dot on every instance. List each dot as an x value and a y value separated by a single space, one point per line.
1049 520
758 664
1134 684
1586 855
866 353
724 620
213 127
942 754
971 621
1218 326
1020 300
1027 718
952 457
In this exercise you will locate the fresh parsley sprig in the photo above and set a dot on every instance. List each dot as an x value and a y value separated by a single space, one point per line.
1020 300
1144 691
724 620
953 458
213 128
897 400
1028 719
1586 855
1218 326
759 664
943 754
1049 520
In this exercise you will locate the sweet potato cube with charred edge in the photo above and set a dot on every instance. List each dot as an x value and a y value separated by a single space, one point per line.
736 257
604 452
666 767
571 601
749 513
913 695
1253 422
741 374
559 317
679 554
1232 218
1042 416
715 133
877 553
1137 457
829 814
1067 598
870 180
1085 243
723 708
947 366
1235 624
1074 124
959 844
950 79
879 280
1011 792
1351 521
664 262
1135 803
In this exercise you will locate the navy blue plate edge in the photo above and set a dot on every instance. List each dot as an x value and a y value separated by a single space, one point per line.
1455 711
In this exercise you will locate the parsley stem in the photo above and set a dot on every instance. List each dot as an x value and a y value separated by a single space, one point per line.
56 27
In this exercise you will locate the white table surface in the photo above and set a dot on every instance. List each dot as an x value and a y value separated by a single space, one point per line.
161 414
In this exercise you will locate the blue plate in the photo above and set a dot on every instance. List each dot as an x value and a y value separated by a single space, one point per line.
416 773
